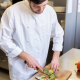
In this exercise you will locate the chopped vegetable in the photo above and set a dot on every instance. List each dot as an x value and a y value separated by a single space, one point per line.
52 76
47 72
38 77
51 71
42 76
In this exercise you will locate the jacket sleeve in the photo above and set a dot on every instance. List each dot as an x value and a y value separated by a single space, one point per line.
57 34
6 37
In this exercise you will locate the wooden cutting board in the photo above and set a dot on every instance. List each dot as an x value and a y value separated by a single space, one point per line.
61 73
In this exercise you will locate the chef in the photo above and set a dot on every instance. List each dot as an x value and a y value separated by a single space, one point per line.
26 30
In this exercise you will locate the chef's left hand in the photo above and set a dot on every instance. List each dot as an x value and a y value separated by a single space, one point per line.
55 61
54 65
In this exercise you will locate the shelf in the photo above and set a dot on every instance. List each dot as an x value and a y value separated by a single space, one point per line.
3 8
60 12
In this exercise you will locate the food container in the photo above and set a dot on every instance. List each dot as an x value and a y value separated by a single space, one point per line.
3 5
6 4
9 3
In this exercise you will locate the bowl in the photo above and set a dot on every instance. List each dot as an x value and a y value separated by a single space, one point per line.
9 3
59 9
3 5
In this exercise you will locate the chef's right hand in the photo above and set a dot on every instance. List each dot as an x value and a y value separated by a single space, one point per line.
30 61
33 63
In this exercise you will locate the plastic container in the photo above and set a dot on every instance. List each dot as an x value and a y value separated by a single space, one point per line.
3 5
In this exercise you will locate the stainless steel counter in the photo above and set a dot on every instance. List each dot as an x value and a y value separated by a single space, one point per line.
68 60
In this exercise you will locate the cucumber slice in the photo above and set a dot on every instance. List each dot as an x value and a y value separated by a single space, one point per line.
38 77
56 79
52 76
51 71
42 76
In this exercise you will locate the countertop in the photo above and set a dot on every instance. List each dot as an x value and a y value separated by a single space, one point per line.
68 60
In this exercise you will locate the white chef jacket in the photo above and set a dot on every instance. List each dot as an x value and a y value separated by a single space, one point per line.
24 30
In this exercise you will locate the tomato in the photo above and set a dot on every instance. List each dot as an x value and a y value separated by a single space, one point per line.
78 65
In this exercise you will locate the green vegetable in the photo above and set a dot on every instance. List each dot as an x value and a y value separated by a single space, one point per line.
47 72
56 79
51 71
40 77
52 76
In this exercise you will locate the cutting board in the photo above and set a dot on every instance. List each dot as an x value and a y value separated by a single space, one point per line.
61 73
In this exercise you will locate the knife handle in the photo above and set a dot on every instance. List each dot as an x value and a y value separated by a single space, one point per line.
25 62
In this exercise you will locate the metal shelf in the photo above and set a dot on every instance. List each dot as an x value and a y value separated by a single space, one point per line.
4 63
3 60
3 8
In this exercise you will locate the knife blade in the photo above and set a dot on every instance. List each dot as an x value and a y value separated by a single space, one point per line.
45 71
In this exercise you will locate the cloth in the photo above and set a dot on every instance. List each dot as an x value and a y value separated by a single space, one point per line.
24 30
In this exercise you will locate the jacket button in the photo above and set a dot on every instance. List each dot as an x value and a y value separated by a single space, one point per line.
27 26
40 39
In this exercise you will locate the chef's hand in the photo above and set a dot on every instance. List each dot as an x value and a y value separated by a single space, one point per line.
30 61
33 63
55 61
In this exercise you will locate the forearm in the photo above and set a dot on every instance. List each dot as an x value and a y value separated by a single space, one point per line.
23 55
56 54
31 61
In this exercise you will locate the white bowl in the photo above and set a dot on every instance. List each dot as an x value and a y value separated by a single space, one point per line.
59 9
3 5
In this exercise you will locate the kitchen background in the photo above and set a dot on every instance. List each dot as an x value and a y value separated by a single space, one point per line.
61 16
68 17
